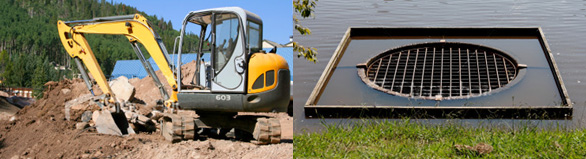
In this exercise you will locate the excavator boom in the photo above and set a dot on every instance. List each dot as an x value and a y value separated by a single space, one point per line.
136 28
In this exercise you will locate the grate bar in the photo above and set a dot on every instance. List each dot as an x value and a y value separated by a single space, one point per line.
414 70
432 70
387 70
396 69
506 71
478 70
496 67
451 65
460 69
442 73
469 72
423 73
405 71
487 72
378 69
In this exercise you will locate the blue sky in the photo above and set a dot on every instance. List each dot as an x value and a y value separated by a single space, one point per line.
276 14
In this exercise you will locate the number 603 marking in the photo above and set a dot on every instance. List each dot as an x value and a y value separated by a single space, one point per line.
223 97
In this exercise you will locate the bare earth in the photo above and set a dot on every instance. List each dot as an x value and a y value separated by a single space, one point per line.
42 131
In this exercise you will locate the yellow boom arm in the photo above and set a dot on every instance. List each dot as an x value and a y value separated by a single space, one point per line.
135 28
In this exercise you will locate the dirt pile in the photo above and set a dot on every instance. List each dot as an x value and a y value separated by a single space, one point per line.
148 93
42 131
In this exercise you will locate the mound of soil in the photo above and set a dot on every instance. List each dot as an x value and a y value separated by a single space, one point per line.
42 131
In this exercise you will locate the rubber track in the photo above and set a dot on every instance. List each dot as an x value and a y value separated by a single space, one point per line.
267 131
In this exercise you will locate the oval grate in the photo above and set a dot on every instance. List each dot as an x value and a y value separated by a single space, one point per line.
437 71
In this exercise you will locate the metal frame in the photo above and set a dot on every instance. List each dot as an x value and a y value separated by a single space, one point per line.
312 110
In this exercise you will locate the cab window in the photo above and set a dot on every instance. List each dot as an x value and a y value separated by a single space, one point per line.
227 25
254 37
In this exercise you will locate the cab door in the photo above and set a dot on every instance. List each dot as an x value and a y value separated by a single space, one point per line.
228 55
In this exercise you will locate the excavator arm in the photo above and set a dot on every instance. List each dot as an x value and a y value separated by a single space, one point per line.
137 29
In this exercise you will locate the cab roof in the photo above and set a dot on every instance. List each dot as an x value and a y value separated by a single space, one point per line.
202 17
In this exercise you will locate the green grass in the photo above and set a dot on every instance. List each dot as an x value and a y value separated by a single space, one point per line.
407 139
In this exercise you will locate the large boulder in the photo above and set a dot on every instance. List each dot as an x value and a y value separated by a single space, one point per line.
123 90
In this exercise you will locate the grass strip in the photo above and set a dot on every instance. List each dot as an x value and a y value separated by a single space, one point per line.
408 139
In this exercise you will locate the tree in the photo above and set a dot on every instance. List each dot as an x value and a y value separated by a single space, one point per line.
305 9
40 77
25 39
4 59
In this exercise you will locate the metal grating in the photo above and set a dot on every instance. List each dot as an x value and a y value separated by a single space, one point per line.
440 71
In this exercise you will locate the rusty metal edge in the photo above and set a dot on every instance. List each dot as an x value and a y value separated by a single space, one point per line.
325 76
554 69
433 112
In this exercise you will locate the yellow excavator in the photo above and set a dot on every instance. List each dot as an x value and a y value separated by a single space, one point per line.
239 77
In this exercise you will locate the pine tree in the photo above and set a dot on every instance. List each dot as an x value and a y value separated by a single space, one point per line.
39 77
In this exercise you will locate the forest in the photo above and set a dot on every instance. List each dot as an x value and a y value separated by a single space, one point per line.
31 52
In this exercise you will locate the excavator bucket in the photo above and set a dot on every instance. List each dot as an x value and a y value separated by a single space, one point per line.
112 123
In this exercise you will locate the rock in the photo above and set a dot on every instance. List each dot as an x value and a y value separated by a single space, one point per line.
85 156
143 119
105 124
95 115
81 125
51 83
79 107
479 149
76 104
65 91
483 148
13 119
462 148
129 115
156 115
123 90
26 152
86 116
98 154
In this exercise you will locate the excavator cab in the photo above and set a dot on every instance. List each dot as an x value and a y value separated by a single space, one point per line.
229 35
239 75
